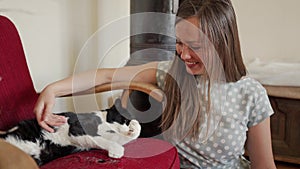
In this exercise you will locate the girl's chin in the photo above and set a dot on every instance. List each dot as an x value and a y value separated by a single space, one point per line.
194 71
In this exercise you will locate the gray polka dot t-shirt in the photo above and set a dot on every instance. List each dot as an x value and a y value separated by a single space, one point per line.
246 105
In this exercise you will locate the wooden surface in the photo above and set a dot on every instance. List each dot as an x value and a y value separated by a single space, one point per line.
285 128
285 123
12 157
290 92
283 165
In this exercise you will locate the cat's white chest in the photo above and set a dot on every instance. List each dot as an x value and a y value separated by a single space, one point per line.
61 136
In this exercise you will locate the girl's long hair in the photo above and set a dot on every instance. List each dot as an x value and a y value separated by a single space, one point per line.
189 109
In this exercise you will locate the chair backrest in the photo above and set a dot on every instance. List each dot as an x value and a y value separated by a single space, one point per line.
17 93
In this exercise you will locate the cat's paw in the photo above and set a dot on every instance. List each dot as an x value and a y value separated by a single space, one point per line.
134 129
116 151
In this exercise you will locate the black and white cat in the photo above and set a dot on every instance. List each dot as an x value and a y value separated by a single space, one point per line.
109 129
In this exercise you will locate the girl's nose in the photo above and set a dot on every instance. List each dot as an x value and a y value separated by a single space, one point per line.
185 53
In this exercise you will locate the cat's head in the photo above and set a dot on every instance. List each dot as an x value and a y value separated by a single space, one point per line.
118 114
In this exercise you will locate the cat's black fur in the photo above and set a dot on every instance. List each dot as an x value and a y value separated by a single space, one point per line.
79 129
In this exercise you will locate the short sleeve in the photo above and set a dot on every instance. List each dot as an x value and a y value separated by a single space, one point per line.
162 69
262 108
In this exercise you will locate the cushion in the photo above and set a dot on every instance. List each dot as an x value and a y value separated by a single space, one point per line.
146 153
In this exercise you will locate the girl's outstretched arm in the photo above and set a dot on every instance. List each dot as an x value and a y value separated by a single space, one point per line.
83 81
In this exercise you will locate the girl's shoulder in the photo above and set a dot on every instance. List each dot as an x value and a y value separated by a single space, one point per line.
246 86
162 69
164 65
249 83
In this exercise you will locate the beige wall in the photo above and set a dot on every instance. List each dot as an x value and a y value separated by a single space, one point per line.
269 29
57 33
54 32
270 33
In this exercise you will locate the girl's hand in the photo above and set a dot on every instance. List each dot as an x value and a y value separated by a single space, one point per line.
43 111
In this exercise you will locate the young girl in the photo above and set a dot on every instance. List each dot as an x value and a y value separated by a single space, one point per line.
211 107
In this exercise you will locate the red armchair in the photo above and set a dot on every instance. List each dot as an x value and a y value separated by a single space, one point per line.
18 97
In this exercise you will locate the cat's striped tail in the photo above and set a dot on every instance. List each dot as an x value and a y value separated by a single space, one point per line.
2 134
8 131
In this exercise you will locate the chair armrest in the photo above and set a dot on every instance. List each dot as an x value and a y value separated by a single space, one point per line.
12 157
148 88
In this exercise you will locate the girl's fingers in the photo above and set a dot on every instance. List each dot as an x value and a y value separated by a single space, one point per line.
45 126
54 120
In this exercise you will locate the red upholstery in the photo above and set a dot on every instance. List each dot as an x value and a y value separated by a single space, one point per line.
144 153
17 99
18 95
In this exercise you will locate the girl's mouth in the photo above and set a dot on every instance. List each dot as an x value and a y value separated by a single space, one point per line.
191 64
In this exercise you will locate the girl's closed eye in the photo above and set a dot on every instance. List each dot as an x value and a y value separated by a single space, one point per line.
195 46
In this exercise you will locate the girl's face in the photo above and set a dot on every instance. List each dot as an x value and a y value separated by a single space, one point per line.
188 45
